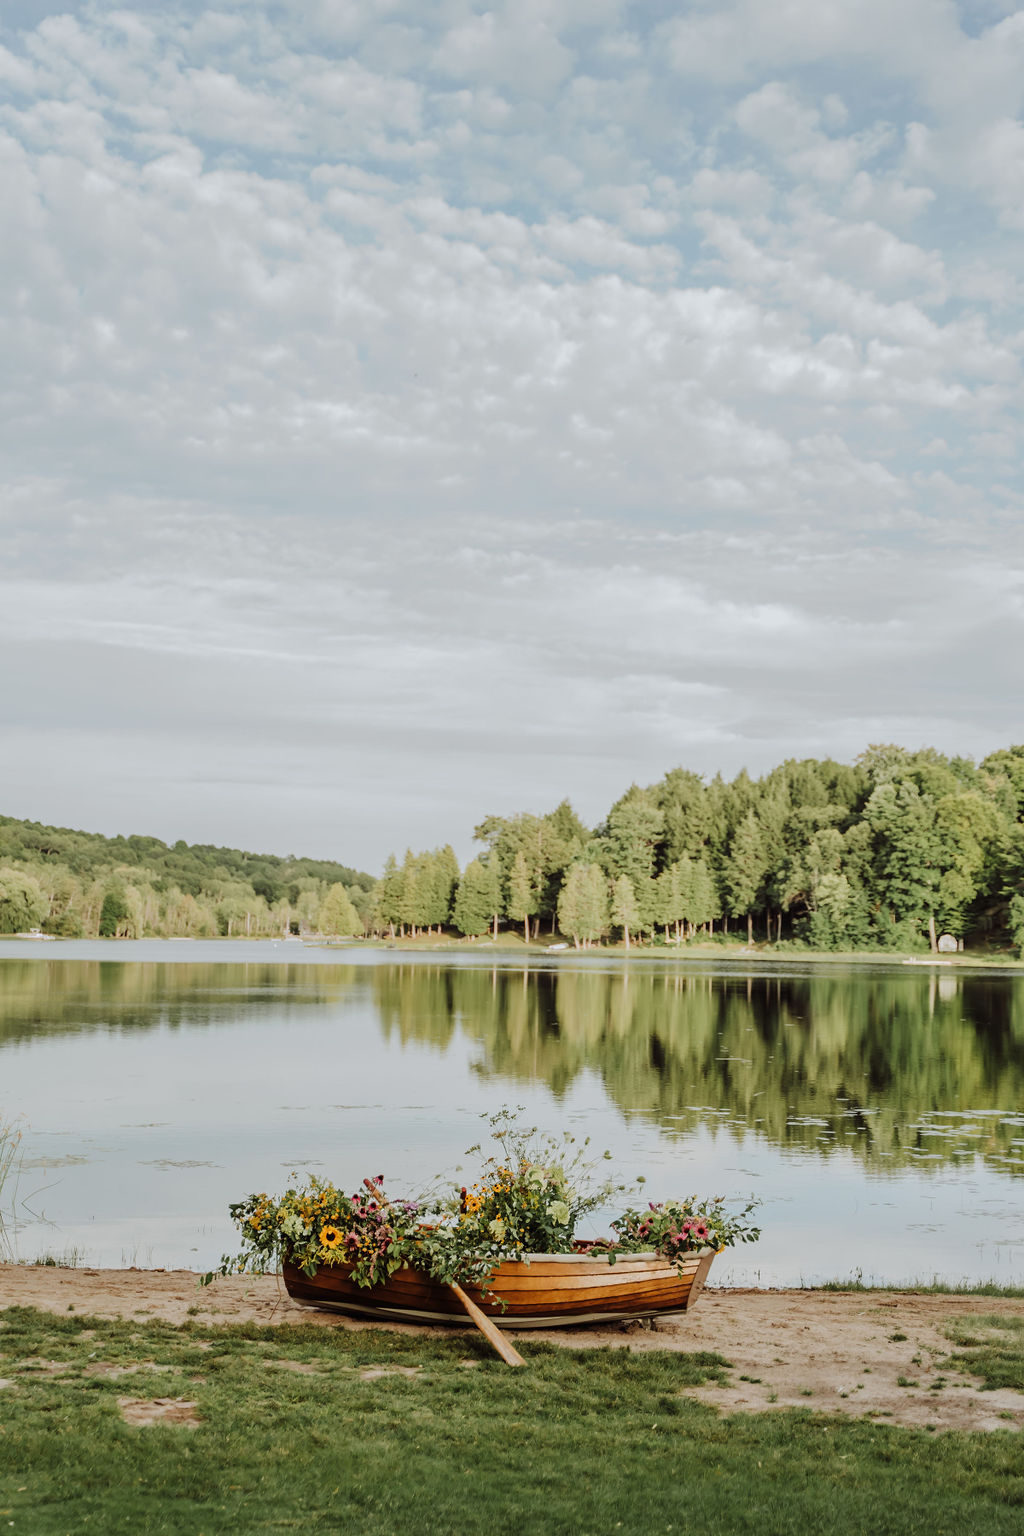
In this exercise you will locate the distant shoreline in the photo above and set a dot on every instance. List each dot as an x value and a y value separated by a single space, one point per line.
509 946
741 954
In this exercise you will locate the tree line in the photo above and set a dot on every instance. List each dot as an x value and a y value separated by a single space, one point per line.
886 853
82 885
889 852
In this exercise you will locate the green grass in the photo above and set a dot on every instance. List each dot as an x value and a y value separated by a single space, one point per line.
925 1287
576 1443
991 1347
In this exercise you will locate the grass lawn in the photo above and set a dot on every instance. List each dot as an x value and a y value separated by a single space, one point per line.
991 1347
313 1430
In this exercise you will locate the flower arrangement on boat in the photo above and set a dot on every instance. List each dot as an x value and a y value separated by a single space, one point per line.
529 1199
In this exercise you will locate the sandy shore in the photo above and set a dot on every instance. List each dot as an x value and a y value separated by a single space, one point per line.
835 1352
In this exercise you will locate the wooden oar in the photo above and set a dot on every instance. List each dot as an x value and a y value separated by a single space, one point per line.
491 1333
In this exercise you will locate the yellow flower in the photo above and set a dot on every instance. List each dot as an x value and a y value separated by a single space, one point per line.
330 1236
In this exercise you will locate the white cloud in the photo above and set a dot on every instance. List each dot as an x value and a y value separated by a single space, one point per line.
539 399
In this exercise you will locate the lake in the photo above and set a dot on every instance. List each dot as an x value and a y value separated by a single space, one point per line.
877 1112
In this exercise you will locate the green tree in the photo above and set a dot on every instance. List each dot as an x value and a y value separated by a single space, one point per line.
632 837
23 902
745 869
583 904
1002 774
683 801
908 860
444 880
337 915
1017 921
522 895
477 899
969 827
549 844
114 913
387 896
705 902
625 911
675 895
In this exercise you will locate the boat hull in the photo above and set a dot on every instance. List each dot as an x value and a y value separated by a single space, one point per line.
552 1290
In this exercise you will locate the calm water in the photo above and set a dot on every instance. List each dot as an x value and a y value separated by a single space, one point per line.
877 1113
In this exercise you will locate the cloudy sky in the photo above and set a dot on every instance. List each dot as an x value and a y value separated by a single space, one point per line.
417 410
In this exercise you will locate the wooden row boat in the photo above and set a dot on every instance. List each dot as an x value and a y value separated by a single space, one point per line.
551 1290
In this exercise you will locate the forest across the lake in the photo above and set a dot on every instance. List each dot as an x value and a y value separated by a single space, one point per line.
888 853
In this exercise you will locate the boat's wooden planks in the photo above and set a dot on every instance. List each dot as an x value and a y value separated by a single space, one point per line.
543 1293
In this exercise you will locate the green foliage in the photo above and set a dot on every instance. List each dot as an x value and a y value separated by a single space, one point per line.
523 897
337 915
530 1196
114 915
388 896
478 898
882 854
545 845
745 867
675 1228
625 909
632 836
80 884
1017 922
583 904
23 903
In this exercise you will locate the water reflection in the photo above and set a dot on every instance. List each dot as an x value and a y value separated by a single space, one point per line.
895 1067
58 997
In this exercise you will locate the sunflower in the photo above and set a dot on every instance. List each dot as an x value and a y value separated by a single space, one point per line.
330 1237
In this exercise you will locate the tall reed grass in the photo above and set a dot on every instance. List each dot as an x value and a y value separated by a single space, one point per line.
10 1167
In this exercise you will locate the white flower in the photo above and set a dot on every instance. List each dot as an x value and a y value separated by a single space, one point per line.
294 1227
559 1211
497 1228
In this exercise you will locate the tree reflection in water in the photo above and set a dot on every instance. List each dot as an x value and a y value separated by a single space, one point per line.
896 1068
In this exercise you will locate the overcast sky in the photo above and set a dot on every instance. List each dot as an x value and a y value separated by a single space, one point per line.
415 411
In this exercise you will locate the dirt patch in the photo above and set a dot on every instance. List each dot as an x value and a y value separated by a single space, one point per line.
833 1351
864 1354
142 1412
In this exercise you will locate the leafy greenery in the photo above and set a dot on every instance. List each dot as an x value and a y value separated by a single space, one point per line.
80 884
886 854
678 1227
322 1429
